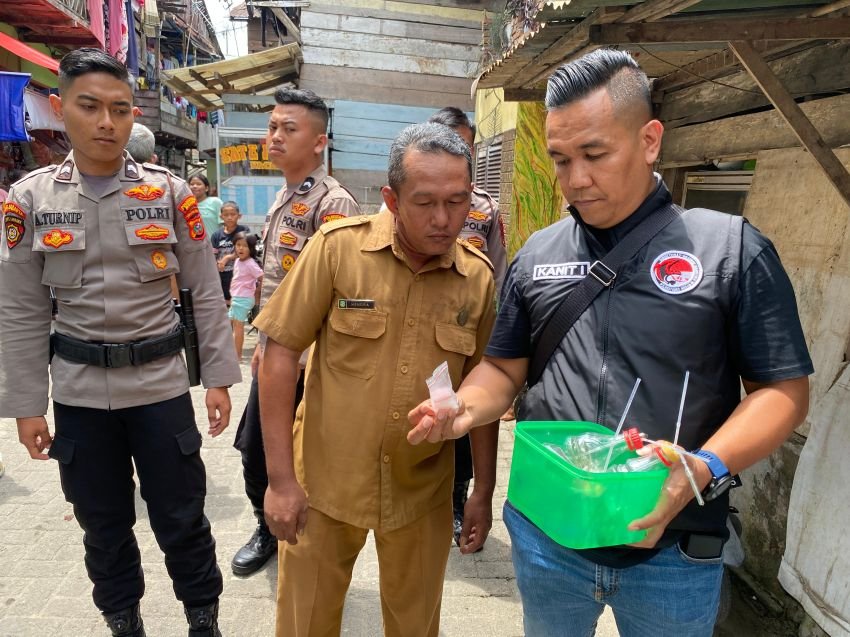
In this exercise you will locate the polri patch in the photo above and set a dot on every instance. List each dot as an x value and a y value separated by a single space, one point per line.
145 192
675 272
159 260
554 271
300 209
332 216
13 223
356 304
189 209
152 232
57 238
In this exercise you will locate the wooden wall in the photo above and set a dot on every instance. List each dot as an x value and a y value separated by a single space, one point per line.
385 64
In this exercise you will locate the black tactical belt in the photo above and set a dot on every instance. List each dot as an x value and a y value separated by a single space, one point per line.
112 355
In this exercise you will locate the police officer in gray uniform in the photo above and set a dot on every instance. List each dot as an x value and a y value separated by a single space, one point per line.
106 233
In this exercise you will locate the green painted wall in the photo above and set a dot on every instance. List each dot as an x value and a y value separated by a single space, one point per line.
13 63
537 200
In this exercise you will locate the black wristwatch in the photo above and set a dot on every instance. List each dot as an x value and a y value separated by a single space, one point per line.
721 478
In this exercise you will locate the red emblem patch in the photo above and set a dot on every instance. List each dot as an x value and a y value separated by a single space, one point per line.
475 242
57 238
152 233
145 192
13 222
159 260
332 216
477 215
288 239
189 209
300 209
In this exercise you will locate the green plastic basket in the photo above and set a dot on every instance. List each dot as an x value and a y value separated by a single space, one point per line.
576 508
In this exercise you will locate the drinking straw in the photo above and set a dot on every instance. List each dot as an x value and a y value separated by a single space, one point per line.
681 408
688 473
622 420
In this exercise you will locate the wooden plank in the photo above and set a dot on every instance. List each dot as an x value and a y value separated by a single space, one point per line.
703 30
391 6
389 112
292 30
356 127
745 135
349 144
373 12
389 79
820 70
796 119
829 8
388 62
251 100
368 42
359 161
382 94
525 94
656 9
399 28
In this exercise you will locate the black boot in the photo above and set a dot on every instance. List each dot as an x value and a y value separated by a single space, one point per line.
126 623
458 502
251 557
203 620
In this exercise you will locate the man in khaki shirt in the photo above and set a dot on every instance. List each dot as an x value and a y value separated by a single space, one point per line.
106 233
386 299
296 142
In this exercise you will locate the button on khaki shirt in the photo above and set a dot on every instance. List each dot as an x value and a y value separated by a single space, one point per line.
380 330
108 254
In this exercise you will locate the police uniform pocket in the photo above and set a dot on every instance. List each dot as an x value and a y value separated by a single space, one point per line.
458 343
63 250
151 248
354 341
189 441
62 449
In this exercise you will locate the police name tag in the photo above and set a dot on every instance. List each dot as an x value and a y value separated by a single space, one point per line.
356 304
549 271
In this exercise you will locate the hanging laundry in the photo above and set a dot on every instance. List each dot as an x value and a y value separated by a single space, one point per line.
95 8
12 115
118 29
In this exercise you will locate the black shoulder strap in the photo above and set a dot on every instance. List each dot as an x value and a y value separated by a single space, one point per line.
600 276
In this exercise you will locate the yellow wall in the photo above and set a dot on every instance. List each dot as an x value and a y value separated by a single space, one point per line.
13 63
493 115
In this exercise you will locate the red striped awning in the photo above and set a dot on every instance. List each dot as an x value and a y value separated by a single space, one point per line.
28 53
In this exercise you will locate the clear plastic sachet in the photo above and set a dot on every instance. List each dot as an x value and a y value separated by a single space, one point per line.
440 388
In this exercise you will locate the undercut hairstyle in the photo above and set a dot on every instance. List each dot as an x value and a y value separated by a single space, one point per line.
426 138
452 117
615 71
308 99
141 144
87 60
230 204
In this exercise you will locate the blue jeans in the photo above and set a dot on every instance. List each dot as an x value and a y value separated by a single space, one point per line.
563 594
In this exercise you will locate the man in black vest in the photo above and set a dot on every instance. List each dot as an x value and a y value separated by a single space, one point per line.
706 295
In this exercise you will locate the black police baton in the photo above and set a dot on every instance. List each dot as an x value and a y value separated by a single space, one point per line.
190 337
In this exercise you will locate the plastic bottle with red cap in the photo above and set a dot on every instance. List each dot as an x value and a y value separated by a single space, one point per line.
591 451
662 455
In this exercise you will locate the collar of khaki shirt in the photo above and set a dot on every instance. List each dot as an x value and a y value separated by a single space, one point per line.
385 236
69 174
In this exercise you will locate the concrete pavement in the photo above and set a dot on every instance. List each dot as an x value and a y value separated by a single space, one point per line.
44 590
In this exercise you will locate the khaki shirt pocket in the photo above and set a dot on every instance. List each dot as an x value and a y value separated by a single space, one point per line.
458 344
64 251
151 248
354 341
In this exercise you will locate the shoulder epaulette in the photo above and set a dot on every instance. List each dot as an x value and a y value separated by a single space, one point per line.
332 184
38 171
329 227
159 169
471 248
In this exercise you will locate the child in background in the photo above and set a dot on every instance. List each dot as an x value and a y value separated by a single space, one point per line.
222 243
244 287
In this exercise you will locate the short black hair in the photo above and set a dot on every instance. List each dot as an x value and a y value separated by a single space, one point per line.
611 69
231 204
87 60
452 117
308 99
